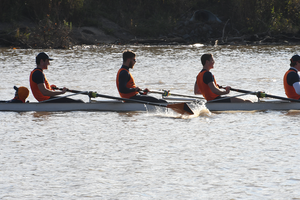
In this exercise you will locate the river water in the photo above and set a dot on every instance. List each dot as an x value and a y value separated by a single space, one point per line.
110 155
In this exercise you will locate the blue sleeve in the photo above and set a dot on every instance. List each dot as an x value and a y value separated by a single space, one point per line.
123 79
38 77
208 77
292 78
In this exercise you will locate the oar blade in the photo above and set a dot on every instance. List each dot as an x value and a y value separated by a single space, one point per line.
181 108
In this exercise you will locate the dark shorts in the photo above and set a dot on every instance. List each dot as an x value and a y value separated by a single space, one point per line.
63 100
222 100
14 101
148 98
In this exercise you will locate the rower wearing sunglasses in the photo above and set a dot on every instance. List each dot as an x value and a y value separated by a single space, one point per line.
125 82
206 84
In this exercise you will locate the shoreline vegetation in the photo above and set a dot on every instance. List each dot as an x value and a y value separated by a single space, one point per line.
66 23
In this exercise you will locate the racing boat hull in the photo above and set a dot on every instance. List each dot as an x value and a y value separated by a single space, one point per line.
120 106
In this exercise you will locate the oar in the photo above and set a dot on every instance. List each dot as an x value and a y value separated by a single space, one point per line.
262 94
60 97
181 108
167 93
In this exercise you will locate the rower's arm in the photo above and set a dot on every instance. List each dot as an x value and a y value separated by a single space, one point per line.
216 90
47 92
297 87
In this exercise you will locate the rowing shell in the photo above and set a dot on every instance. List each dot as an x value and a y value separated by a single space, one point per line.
110 105
120 106
256 106
261 105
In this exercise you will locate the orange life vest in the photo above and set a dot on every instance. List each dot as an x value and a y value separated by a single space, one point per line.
34 87
130 84
204 88
289 89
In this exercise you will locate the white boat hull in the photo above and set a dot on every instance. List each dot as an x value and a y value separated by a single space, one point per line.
256 106
116 106
119 106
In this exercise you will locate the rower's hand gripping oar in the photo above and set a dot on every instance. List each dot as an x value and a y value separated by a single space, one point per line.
262 94
181 108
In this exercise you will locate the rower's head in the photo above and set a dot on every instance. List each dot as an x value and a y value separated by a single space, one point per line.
42 60
207 60
295 60
129 58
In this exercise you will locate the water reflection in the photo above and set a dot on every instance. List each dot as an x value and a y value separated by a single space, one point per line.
42 115
295 113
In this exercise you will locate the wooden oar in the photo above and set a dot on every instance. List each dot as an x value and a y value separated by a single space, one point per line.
181 108
262 94
167 93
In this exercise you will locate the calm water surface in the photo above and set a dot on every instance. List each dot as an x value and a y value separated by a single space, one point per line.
109 155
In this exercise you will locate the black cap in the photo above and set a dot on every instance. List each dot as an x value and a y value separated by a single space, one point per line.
41 56
295 58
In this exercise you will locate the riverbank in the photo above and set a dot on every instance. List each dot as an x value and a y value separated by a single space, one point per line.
26 34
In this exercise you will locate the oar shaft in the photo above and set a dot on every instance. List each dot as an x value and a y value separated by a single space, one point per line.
181 108
78 92
59 97
131 100
282 98
265 95
242 91
119 98
175 94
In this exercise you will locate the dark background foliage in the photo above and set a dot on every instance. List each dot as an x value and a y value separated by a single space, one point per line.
157 17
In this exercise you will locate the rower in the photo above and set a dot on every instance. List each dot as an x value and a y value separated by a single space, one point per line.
21 95
41 88
125 82
291 79
206 84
